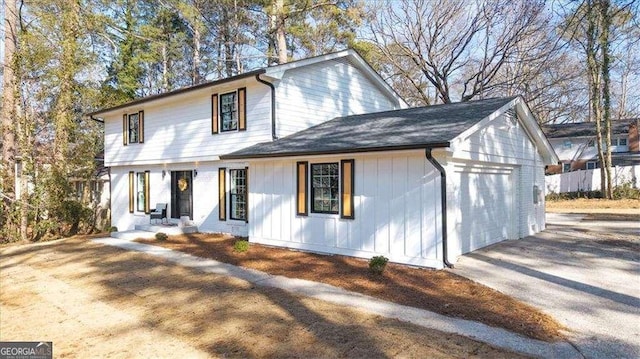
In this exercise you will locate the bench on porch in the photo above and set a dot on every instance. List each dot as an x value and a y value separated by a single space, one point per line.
159 212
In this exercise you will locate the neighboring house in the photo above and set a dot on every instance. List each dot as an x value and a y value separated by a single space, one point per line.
575 144
258 155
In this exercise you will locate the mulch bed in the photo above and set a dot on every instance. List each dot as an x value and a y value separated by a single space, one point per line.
435 290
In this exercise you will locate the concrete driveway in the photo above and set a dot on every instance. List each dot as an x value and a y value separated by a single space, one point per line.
584 273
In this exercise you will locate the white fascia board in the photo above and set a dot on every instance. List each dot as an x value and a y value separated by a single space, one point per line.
161 162
535 132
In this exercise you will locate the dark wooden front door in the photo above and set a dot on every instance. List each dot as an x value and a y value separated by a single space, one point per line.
181 194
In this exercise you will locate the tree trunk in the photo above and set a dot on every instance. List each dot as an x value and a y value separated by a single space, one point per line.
196 77
605 19
8 112
594 87
277 48
165 68
281 33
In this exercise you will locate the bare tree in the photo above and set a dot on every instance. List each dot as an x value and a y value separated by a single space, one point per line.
8 111
459 47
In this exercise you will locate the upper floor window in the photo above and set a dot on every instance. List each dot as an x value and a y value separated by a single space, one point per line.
567 144
133 128
622 141
566 167
228 111
591 165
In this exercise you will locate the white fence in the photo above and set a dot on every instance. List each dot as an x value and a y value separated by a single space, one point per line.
589 180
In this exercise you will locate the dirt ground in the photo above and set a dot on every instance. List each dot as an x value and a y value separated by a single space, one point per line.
435 290
594 205
98 301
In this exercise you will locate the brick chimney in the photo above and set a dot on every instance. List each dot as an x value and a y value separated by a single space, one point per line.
634 136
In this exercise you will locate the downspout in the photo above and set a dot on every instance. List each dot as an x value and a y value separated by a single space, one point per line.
443 204
273 106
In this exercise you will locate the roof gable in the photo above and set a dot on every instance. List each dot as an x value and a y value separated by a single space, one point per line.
420 127
275 73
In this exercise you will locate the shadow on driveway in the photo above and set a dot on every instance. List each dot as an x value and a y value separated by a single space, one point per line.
573 272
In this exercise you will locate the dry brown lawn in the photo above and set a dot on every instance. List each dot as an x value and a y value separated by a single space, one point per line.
435 290
595 205
97 301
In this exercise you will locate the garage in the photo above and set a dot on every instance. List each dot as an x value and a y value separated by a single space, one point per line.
420 186
488 207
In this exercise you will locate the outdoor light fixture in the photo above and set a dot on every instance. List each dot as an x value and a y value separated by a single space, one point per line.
164 173
195 172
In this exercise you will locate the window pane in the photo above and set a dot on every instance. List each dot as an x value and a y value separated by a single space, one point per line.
133 128
324 187
229 112
140 200
238 191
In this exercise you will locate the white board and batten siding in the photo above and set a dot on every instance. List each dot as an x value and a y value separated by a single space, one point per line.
317 93
491 175
397 209
205 196
177 129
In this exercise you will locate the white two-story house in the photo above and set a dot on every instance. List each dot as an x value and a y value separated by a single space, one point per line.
575 144
322 155
166 148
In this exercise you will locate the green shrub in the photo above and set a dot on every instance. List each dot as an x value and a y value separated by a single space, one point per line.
161 236
241 245
113 229
377 264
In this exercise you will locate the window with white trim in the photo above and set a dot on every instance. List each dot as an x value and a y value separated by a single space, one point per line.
591 165
238 194
622 141
566 167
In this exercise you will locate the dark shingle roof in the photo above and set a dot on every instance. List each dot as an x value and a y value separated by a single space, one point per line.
420 127
583 129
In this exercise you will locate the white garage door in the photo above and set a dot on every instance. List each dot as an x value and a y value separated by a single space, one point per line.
488 210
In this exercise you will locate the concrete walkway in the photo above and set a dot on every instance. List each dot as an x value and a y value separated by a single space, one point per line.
478 331
584 273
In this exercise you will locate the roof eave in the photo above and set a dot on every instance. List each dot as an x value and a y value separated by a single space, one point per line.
177 92
336 152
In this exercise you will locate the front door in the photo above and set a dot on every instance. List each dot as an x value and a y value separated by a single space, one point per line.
181 194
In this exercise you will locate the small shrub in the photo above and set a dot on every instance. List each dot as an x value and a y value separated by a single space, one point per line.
161 236
241 245
113 229
377 264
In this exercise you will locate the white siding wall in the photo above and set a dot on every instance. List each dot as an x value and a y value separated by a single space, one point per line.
317 93
508 166
573 149
205 196
397 210
178 129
